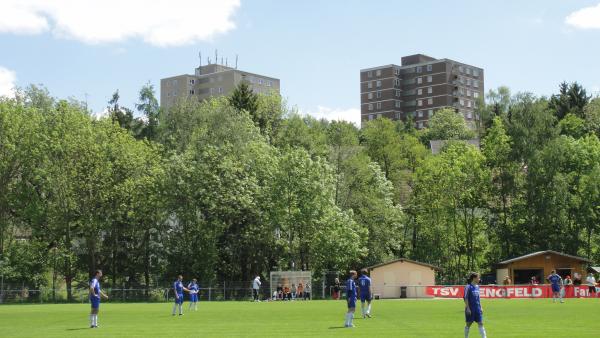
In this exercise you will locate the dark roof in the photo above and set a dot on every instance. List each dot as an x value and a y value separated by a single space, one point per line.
402 260
595 269
542 253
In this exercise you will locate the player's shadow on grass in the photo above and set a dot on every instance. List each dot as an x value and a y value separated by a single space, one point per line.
79 329
337 327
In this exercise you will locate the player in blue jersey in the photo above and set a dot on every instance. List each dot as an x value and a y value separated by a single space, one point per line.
366 293
473 309
179 288
194 289
95 294
556 283
350 298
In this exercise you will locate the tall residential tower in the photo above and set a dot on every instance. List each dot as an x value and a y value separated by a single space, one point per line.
418 87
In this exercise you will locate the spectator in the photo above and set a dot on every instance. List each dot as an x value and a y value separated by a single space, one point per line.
255 288
300 291
576 279
591 283
507 281
294 290
534 280
287 295
307 291
279 292
336 289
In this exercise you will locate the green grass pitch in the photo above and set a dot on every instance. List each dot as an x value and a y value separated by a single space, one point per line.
391 318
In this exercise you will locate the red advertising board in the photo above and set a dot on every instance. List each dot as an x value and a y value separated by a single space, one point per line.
512 291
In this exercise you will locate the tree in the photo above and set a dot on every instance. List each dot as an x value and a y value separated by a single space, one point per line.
572 125
572 98
244 99
123 115
447 124
592 116
148 105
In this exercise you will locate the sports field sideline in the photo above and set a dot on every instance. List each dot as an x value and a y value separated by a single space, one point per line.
391 318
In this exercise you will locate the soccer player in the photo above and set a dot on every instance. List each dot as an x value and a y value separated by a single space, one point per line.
95 294
591 282
350 298
179 288
473 309
556 282
366 293
194 289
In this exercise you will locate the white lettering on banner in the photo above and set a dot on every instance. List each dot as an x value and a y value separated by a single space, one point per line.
494 291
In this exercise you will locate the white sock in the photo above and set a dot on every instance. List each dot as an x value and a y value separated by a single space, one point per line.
362 309
95 320
467 331
91 320
482 331
180 309
369 309
174 309
347 321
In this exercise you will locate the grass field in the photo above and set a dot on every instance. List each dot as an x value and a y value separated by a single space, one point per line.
391 318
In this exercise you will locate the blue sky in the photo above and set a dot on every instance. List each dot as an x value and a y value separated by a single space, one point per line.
316 48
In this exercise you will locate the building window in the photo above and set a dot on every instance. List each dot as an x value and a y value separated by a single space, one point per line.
420 113
191 81
461 90
369 84
468 104
430 100
379 115
370 95
462 102
398 104
397 71
430 90
420 124
370 106
430 112
420 91
419 80
191 92
379 94
461 69
169 94
429 78
429 68
469 115
468 92
468 82
468 71
419 69
476 84
476 72
378 72
398 93
475 94
221 90
269 83
378 84
419 103
378 105
397 115
369 74
397 82
371 117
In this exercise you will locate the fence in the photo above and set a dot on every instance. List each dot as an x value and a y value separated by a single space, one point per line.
236 291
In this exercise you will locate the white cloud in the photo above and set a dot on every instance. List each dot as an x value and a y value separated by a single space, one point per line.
335 114
585 18
7 82
159 22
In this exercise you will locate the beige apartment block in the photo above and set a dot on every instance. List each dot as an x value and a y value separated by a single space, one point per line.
212 80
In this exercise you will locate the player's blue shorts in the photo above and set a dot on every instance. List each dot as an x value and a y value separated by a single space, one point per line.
180 299
194 297
555 288
95 301
351 302
475 316
366 296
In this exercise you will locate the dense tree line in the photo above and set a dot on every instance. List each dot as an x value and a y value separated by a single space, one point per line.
236 186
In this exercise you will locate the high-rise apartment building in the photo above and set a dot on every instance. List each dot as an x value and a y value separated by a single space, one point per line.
418 87
212 80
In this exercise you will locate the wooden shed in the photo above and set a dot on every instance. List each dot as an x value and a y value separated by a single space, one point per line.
540 264
402 278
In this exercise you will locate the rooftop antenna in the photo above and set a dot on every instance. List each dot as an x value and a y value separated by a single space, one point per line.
236 60
216 56
226 65
207 60
221 60
200 57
